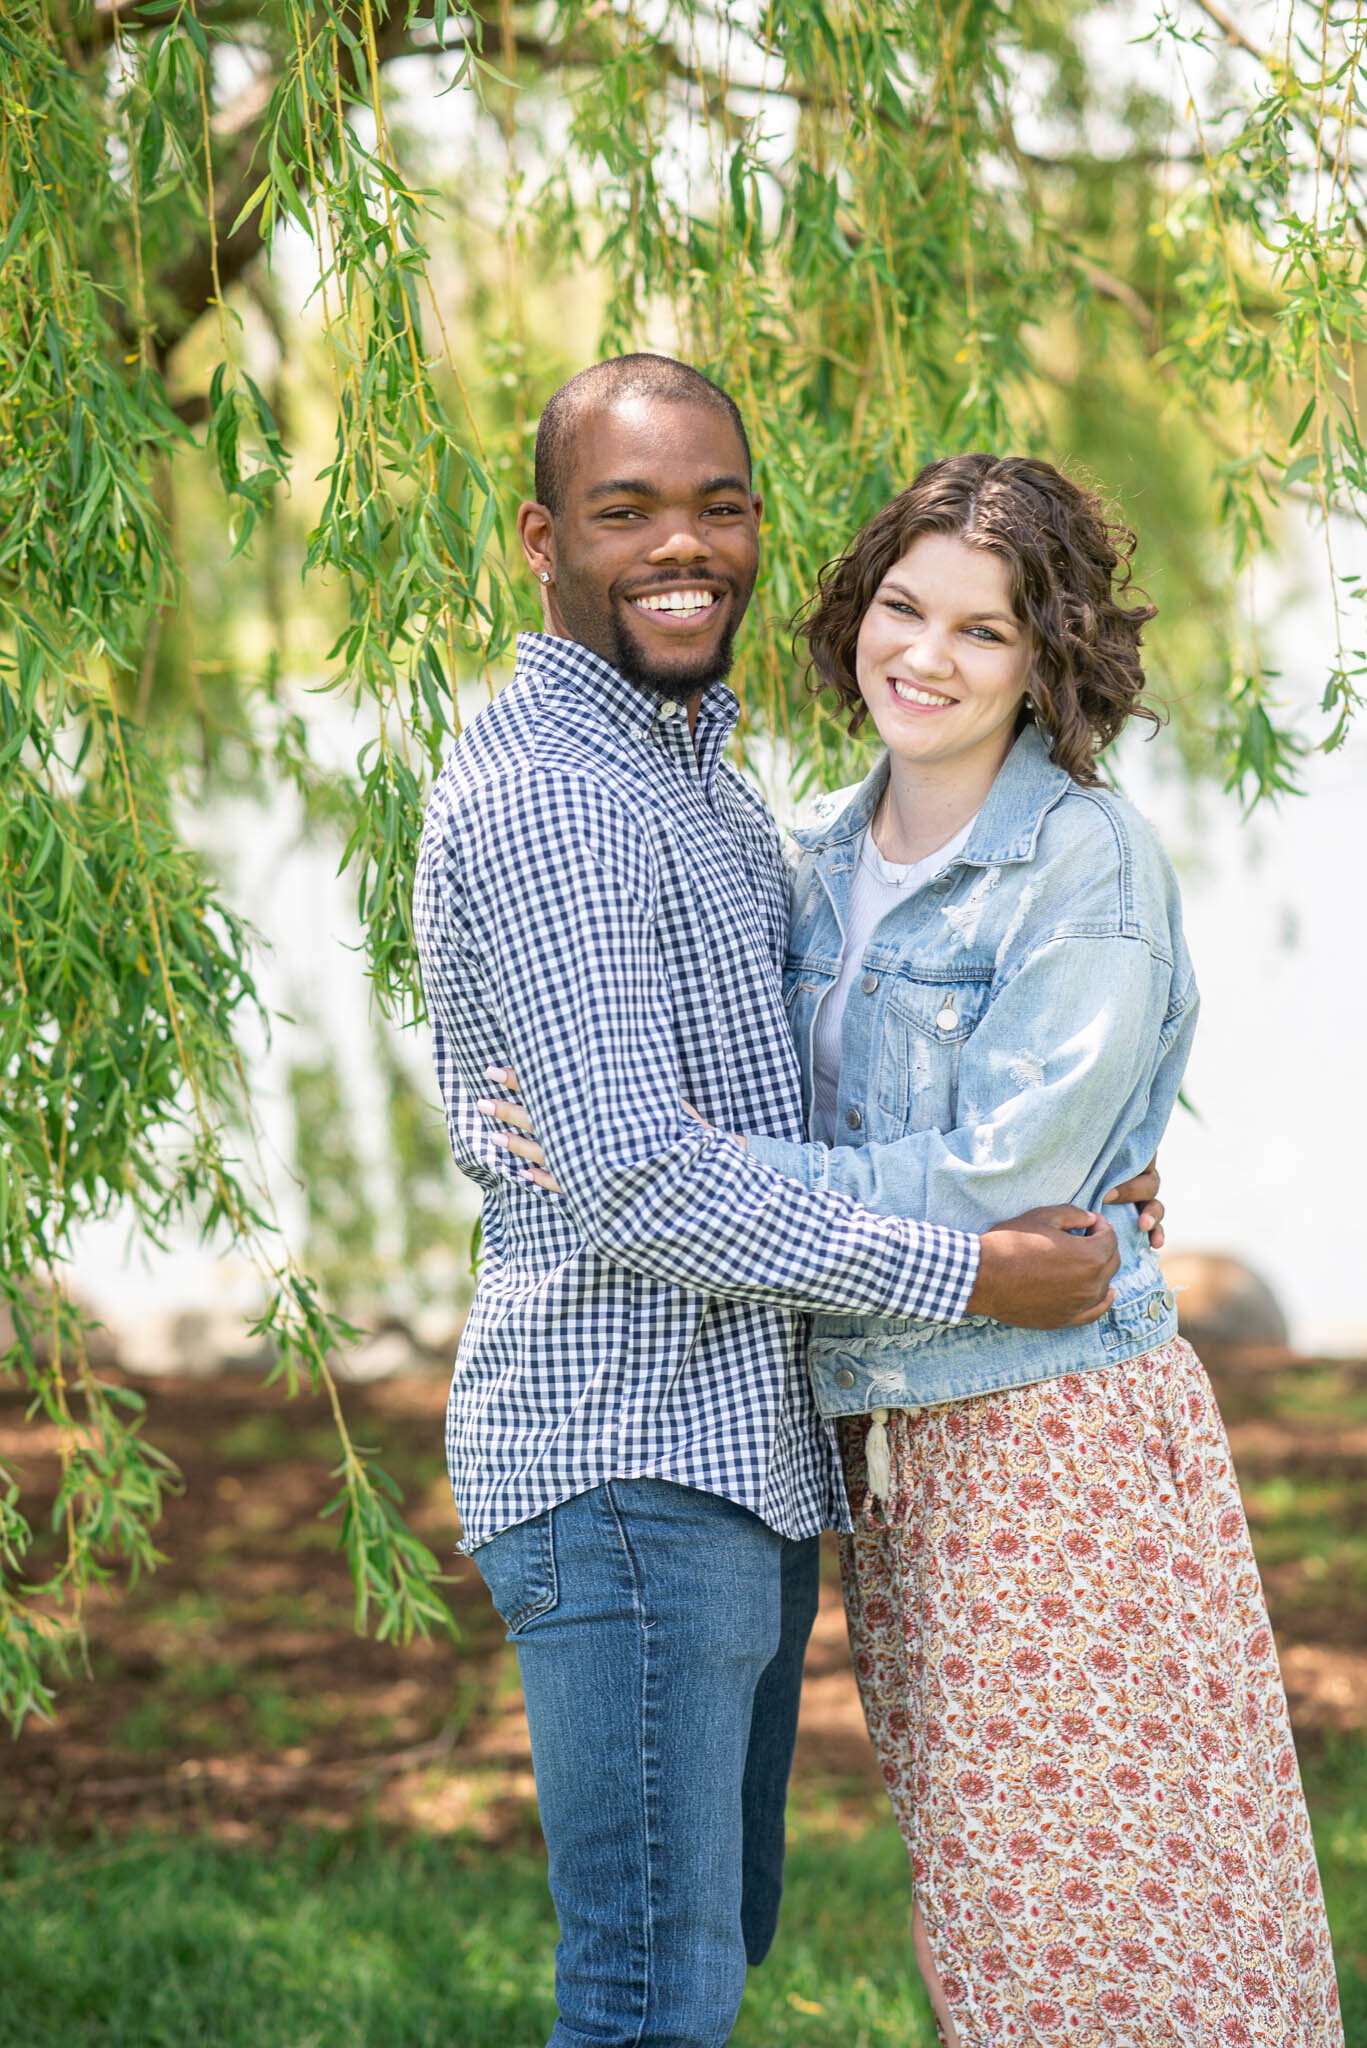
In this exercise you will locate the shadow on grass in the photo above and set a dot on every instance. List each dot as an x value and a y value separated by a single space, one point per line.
360 1941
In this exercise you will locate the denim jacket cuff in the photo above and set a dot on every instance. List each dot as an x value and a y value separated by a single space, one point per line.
806 1164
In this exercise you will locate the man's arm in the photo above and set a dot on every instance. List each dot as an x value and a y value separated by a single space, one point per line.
1060 1069
567 940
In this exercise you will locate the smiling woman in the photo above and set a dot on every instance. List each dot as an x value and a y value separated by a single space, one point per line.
1058 1629
1029 581
942 663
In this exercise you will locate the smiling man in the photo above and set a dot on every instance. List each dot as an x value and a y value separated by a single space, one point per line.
639 1467
665 616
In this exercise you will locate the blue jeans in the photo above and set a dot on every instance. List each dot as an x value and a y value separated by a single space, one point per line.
660 1634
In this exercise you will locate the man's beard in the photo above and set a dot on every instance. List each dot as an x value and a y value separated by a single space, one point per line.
673 683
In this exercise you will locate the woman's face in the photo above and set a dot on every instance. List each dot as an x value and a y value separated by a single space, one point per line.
941 659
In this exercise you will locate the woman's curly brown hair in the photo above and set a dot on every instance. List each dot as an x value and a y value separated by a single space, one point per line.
1069 566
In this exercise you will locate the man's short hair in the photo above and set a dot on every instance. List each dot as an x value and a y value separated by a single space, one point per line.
633 376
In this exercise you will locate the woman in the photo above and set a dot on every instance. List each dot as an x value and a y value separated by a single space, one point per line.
1057 1623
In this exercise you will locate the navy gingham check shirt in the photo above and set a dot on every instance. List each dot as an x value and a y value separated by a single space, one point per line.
602 905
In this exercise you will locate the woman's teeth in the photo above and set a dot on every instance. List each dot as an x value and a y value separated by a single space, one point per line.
684 601
911 695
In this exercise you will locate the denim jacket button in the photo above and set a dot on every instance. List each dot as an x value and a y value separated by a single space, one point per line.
844 1378
853 1118
947 1018
869 984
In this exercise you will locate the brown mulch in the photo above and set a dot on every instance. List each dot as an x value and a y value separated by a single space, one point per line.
230 1692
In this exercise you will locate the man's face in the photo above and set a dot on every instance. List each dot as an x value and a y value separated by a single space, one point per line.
656 548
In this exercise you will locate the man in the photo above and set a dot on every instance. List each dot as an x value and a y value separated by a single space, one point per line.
641 1475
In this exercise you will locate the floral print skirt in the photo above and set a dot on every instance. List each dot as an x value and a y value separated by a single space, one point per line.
1065 1660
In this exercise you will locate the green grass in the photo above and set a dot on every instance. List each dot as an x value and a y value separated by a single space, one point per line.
1306 1498
355 1941
360 1940
1336 1786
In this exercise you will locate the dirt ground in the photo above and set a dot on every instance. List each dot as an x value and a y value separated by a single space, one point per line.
229 1691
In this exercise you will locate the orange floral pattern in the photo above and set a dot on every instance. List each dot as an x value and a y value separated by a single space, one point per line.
1066 1664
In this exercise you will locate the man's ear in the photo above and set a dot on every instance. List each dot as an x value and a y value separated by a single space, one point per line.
757 505
536 531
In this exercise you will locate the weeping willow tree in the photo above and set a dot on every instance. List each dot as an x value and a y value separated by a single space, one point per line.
241 243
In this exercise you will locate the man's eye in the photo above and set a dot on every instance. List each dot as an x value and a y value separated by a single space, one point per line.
622 512
725 511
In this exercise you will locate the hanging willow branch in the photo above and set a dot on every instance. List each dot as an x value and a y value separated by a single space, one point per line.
882 224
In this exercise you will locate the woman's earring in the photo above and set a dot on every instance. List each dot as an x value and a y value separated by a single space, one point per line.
545 575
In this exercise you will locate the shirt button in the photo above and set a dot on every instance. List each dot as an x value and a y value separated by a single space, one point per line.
1155 1310
668 708
844 1378
853 1119
869 984
948 1018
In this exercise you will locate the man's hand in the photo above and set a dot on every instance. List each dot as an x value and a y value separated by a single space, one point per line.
1143 1192
1035 1273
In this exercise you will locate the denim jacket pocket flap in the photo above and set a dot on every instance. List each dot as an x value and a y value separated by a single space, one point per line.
813 976
943 1011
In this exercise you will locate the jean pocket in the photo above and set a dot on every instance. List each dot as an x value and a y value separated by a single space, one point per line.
518 1567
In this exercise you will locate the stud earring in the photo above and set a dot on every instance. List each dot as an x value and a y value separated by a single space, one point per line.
545 575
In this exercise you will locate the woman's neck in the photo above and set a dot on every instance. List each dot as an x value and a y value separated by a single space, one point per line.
927 802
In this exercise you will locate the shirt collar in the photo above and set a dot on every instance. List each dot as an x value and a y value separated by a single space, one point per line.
590 676
1028 785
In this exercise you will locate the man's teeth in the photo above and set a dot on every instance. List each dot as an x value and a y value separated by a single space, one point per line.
678 601
911 695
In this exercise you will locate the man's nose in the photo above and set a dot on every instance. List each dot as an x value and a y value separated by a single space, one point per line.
684 542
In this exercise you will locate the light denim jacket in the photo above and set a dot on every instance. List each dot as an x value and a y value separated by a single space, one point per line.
1017 1038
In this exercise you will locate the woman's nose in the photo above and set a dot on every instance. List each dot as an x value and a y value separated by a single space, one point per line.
928 654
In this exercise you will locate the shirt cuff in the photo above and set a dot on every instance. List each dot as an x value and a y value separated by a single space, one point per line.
945 1272
806 1164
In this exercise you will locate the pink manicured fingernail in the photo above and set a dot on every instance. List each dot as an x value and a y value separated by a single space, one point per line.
497 1073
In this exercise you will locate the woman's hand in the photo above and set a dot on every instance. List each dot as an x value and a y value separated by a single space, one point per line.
1143 1190
521 1139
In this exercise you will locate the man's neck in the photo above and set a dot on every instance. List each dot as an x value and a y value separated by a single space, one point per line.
554 630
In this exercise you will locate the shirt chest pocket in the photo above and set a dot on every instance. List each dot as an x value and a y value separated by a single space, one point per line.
925 1026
